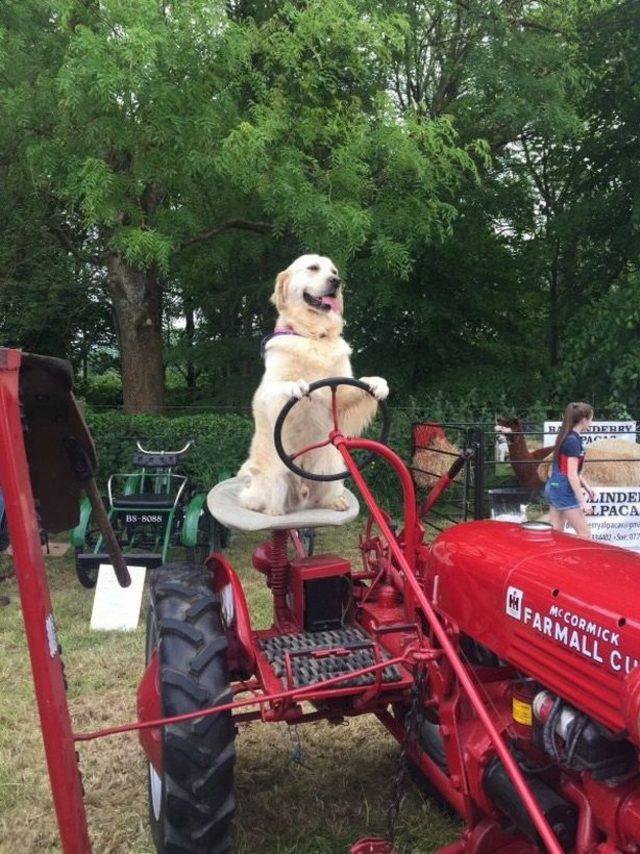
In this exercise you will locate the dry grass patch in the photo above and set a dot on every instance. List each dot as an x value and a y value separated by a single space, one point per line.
339 793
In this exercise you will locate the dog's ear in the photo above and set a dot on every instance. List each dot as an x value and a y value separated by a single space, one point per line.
279 296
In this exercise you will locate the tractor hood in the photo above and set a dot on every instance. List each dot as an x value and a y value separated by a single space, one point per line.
562 610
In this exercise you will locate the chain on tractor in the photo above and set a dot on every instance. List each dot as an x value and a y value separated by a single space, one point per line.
411 739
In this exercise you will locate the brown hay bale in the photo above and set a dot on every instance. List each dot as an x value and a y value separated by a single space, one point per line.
433 457
608 462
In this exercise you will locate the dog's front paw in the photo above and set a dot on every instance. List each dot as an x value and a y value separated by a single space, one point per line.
297 389
251 500
378 386
340 504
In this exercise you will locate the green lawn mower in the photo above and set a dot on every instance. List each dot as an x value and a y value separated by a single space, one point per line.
151 509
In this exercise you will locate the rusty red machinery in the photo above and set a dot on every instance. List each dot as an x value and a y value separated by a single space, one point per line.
503 657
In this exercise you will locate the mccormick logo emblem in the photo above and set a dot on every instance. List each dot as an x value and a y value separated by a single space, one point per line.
514 602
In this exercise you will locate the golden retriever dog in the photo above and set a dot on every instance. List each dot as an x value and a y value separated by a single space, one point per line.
307 345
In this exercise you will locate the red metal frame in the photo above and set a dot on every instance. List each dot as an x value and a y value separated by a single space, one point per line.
308 693
149 707
37 611
418 630
404 560
241 655
403 549
571 575
304 569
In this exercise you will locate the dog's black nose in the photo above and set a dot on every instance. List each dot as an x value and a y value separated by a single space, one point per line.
334 282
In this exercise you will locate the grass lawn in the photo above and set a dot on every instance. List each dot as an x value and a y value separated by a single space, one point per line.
338 794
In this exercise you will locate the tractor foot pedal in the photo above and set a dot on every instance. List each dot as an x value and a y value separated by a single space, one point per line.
308 657
372 845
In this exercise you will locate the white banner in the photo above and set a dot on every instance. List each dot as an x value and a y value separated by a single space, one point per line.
599 430
616 516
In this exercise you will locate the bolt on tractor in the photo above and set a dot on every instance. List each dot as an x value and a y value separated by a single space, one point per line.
503 657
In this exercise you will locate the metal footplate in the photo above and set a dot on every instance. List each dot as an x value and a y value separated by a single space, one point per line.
309 657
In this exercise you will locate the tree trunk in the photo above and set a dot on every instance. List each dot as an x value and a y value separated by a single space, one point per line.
189 331
137 309
554 307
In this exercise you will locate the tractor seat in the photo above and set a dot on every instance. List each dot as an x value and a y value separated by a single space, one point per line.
144 501
224 506
159 460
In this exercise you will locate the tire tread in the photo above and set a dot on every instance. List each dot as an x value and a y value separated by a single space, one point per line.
199 755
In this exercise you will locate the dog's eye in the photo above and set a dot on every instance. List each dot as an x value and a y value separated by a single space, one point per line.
314 267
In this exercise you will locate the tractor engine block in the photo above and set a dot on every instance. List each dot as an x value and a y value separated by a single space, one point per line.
554 619
561 610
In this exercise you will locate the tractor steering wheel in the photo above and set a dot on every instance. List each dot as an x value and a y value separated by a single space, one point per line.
332 383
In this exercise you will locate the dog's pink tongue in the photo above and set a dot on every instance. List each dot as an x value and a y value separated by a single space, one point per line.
334 303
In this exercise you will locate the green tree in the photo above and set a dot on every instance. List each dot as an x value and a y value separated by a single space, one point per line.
167 160
477 299
599 229
50 300
161 127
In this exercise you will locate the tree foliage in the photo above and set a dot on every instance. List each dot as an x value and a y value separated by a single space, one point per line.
472 165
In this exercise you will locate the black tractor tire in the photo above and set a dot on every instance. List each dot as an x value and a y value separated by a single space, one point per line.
211 537
192 803
87 577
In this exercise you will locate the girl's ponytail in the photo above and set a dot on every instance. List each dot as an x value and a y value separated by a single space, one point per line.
574 413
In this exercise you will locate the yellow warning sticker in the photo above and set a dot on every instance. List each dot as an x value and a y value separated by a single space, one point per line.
522 712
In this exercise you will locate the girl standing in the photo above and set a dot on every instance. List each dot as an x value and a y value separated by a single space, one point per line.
563 489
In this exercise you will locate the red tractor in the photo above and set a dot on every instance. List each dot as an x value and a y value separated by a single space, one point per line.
503 657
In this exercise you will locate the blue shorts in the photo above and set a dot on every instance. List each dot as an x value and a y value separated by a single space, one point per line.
560 495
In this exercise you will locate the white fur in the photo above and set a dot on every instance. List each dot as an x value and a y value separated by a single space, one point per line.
292 362
502 445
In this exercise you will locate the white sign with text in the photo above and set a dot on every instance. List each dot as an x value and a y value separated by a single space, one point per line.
616 516
115 608
599 430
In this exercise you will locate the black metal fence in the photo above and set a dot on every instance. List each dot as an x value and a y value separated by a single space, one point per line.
434 447
492 483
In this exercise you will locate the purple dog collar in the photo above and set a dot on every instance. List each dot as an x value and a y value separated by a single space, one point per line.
279 330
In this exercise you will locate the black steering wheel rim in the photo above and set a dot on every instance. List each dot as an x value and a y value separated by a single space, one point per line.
332 383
